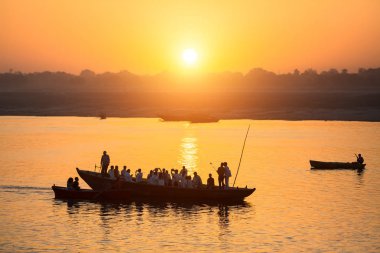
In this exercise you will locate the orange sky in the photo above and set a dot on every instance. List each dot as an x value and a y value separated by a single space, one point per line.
147 37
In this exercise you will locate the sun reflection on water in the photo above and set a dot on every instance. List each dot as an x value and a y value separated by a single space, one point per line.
189 153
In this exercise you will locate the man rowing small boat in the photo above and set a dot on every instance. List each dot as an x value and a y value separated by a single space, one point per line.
359 159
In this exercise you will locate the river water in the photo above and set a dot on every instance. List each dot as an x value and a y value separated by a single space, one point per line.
294 209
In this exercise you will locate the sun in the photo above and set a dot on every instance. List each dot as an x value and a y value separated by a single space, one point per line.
190 56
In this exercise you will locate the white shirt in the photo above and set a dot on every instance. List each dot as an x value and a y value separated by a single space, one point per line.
154 179
139 177
111 174
176 178
127 177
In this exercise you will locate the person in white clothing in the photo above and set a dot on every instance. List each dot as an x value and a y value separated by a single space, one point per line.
127 176
183 181
227 175
123 171
111 173
154 178
139 175
175 177
161 180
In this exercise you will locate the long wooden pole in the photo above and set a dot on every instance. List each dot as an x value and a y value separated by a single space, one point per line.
241 156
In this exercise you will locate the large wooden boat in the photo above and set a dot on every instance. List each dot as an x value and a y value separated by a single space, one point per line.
114 189
336 165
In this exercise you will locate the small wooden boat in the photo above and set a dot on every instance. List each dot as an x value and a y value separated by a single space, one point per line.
336 165
113 189
64 193
191 117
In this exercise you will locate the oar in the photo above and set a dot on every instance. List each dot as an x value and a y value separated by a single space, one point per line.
241 156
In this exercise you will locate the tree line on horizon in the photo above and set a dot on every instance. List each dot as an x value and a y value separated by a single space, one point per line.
258 79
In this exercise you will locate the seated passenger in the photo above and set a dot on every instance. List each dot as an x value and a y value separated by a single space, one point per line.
167 178
139 176
210 182
149 177
123 171
154 178
111 173
127 176
176 178
161 180
197 181
188 182
76 184
360 159
70 183
116 172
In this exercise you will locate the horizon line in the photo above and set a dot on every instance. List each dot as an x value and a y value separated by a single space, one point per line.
339 70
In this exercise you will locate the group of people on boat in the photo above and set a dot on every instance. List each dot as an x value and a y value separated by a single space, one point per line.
73 184
164 177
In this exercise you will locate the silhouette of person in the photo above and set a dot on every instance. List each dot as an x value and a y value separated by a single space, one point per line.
210 182
360 159
76 184
227 175
104 162
70 182
221 174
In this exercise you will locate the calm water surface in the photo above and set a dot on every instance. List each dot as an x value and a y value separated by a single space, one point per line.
293 210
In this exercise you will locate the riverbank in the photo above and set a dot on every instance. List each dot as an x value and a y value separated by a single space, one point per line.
197 106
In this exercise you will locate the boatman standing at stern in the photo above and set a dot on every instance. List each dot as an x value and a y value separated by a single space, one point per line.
104 162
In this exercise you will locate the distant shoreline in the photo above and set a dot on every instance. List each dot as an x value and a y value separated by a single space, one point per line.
197 106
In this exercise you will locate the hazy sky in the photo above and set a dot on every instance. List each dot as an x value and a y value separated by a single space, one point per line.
147 37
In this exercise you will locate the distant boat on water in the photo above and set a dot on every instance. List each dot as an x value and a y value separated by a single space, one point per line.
102 115
193 117
336 165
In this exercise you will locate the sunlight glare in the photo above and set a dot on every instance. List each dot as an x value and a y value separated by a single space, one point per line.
189 56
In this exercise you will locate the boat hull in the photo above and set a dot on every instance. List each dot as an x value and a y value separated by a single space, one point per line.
117 189
64 193
336 165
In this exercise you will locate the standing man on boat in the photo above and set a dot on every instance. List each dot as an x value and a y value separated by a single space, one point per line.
227 174
104 162
221 174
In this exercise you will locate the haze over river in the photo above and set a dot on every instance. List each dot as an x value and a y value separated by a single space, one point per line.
294 209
